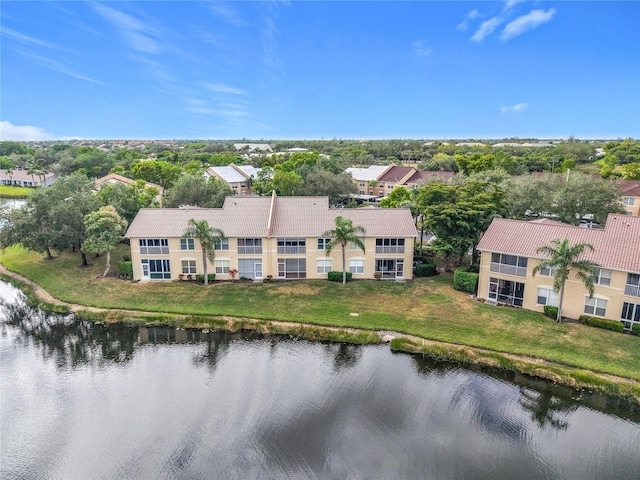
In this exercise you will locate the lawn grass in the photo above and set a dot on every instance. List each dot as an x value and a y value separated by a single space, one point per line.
7 191
428 308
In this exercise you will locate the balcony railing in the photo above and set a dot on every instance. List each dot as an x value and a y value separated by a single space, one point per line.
154 250
508 269
389 249
249 250
292 250
632 290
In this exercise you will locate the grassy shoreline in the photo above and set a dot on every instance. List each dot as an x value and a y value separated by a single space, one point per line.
453 325
13 192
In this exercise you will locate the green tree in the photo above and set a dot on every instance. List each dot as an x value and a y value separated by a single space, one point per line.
630 171
562 258
344 233
197 191
286 183
207 236
104 231
459 214
159 172
396 197
52 218
128 199
336 186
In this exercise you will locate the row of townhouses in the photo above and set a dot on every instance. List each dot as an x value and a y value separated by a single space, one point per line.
377 181
509 255
271 237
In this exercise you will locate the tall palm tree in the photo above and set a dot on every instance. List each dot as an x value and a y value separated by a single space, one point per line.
562 258
207 236
344 233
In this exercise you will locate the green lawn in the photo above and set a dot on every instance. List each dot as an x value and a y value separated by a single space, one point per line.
7 191
429 308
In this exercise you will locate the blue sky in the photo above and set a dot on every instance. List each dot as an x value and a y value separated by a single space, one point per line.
312 70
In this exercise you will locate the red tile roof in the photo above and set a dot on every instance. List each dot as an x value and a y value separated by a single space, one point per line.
292 217
395 174
617 246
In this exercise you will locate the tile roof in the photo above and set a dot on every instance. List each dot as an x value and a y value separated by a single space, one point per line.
369 173
24 176
115 178
616 246
423 176
630 188
292 217
396 174
227 173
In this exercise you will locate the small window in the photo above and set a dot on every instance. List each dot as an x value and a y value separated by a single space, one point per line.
356 266
221 244
188 267
323 243
547 296
603 277
187 244
595 306
324 265
221 265
628 201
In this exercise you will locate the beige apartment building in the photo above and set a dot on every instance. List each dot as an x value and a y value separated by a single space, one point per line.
271 237
238 177
631 196
509 255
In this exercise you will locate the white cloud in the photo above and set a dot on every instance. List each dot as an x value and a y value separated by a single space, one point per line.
227 13
22 133
26 39
531 20
518 107
465 23
509 4
420 49
221 88
136 34
486 28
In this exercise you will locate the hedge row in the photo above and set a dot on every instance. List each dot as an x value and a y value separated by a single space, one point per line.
425 267
614 325
465 278
550 311
210 277
337 276
125 269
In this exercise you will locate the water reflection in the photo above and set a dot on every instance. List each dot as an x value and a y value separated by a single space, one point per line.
171 403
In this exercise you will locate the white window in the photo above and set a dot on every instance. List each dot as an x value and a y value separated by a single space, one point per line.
548 272
547 296
356 265
187 244
628 201
154 246
324 265
188 267
603 277
353 246
222 265
221 244
595 306
323 242
509 264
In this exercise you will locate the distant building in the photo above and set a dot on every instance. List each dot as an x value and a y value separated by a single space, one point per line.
21 178
114 178
254 147
238 177
631 196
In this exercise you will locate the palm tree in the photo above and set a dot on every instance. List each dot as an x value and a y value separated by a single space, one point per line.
207 237
344 233
562 258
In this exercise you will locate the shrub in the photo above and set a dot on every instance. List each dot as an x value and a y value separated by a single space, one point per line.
426 268
210 277
550 311
614 325
337 276
125 269
465 279
635 329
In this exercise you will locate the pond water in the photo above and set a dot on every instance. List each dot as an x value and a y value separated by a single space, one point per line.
12 202
85 401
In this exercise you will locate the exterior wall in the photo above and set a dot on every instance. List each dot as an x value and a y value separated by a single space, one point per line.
575 293
632 209
270 258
